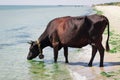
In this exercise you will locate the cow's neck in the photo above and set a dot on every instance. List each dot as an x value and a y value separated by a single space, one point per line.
44 41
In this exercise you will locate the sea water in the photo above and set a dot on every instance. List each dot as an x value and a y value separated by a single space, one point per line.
19 24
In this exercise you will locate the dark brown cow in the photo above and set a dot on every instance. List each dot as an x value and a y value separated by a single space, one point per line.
74 32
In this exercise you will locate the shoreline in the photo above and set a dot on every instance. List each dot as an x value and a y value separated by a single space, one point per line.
79 69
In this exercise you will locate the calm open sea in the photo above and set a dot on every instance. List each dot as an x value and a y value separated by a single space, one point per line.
19 24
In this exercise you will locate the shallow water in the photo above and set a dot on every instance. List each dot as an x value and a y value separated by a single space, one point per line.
21 24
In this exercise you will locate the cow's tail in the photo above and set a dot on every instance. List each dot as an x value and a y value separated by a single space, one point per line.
107 42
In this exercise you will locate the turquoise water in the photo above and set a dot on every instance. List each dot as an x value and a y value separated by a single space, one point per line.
19 24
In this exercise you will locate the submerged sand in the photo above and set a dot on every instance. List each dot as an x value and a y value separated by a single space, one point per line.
78 65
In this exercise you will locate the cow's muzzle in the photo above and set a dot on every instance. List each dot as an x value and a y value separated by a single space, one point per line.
29 58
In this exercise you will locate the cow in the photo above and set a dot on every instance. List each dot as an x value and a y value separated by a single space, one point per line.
75 32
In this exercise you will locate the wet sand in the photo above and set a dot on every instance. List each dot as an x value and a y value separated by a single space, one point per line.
78 65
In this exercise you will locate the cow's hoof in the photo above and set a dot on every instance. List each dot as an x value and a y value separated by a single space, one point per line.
55 61
90 65
101 66
66 61
41 56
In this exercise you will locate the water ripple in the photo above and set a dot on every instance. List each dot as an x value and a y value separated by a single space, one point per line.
23 35
17 28
3 45
22 41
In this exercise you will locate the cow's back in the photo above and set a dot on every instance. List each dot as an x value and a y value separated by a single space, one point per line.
54 24
96 18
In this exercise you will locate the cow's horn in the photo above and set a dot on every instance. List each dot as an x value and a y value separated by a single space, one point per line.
30 42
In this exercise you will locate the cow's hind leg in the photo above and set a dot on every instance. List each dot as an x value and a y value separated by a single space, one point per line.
66 54
94 50
101 51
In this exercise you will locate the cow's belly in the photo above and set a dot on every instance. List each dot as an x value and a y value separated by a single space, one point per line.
78 43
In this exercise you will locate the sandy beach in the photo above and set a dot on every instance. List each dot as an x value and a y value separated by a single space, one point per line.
113 14
79 69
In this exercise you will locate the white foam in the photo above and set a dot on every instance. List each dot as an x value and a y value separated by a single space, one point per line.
77 76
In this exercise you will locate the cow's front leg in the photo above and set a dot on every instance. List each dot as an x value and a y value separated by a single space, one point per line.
55 48
66 54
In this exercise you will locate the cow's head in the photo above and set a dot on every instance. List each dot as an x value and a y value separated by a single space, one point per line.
35 50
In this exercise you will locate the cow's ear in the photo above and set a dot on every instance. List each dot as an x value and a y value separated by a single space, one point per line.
30 42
